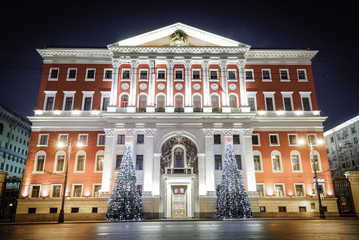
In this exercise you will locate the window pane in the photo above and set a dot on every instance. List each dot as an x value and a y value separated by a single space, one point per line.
99 165
105 103
49 103
306 104
80 163
68 103
139 162
87 103
124 101
121 139
276 163
217 139
40 163
269 104
35 191
77 191
252 104
218 162
257 162
56 190
60 163
287 104
295 163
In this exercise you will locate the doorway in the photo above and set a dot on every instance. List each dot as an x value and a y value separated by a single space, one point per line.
179 201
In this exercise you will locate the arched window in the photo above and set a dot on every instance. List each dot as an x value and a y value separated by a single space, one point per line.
100 156
276 161
257 160
40 158
178 101
196 103
233 101
316 161
161 103
124 101
143 101
295 160
60 159
178 158
215 102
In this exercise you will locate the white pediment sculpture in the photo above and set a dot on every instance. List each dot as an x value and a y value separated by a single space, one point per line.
179 34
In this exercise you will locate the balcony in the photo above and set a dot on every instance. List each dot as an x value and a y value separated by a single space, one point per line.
179 109
141 110
160 109
185 171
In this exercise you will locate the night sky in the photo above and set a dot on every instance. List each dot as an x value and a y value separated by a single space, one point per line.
328 26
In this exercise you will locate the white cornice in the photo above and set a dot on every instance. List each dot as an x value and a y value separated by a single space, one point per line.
280 53
74 52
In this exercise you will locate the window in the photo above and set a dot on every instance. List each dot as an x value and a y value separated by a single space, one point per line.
140 139
49 105
161 74
143 75
75 209
231 74
249 75
101 139
255 140
143 102
266 76
215 102
82 139
124 101
179 101
99 162
302 209
276 163
299 190
306 104
105 103
312 139
279 190
54 74
284 75
282 209
260 189
56 191
77 190
217 139
107 75
232 101
257 162
178 158
302 75
274 139
196 74
63 138
262 209
295 162
218 162
292 140
31 210
43 139
96 190
118 161
80 163
53 210
196 102
287 104
90 74
87 103
161 102
269 104
35 191
125 74
60 163
139 162
252 104
239 161
120 139
213 74
179 74
315 162
71 74
68 103
236 139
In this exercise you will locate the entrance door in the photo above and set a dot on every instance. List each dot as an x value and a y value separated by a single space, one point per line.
179 201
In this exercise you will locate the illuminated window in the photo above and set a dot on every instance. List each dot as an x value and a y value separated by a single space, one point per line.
218 162
77 190
80 163
257 162
299 190
56 190
35 191
82 139
99 162
232 101
295 162
279 190
276 162
96 190
260 189
178 156
215 101
40 163
143 101
124 101
60 163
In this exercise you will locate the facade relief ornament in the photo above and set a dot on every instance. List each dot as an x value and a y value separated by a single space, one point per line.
223 63
214 86
134 62
208 132
241 62
125 86
247 132
179 39
205 63
150 132
228 132
187 63
110 132
130 132
116 62
161 86
143 86
196 86
232 86
170 62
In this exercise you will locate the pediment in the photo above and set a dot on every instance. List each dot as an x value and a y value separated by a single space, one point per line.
179 34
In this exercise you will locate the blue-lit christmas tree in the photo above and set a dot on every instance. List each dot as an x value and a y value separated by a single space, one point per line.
232 199
125 203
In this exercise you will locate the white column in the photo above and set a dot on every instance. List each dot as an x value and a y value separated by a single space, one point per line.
116 62
170 63
148 160
223 65
242 85
188 89
108 163
156 174
202 174
151 84
133 89
247 160
209 162
206 103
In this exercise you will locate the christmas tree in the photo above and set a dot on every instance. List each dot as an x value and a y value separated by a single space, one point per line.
232 199
125 203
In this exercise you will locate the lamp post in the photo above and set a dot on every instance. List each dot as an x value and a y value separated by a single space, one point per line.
62 144
314 165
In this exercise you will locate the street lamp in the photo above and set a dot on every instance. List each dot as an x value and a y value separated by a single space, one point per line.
61 145
319 142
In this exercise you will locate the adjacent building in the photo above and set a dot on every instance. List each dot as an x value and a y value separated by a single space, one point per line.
342 144
176 95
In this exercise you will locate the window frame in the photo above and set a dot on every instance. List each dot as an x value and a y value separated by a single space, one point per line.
270 139
235 75
276 153
49 94
94 74
245 75
68 94
37 155
210 75
31 190
73 189
258 153
79 138
50 74
295 152
39 139
280 75
87 94
296 139
158 74
199 79
105 75
263 187
283 188
59 153
52 190
99 153
99 135
269 95
68 74
270 75
295 189
305 75
140 71
175 74
258 137
220 160
123 70
80 153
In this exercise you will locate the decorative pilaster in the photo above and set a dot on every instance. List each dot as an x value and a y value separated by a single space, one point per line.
170 64
108 163
242 85
248 164
209 156
151 84
223 65
133 90
116 62
148 156
205 65
188 89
